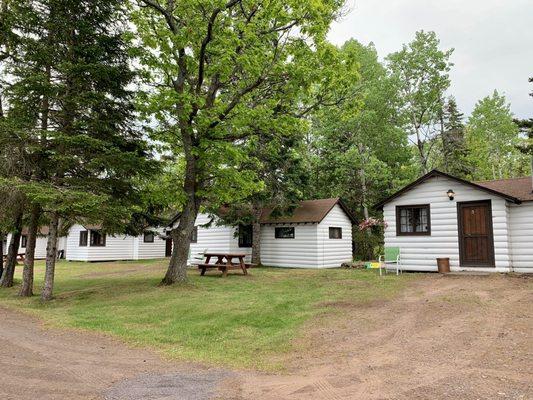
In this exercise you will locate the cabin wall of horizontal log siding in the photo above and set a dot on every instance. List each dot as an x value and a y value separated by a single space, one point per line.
334 252
117 247
419 253
521 228
310 248
300 252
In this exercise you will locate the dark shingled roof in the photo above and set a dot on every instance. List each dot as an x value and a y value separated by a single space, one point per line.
308 211
521 188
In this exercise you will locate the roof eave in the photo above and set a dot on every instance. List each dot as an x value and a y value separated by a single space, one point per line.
436 172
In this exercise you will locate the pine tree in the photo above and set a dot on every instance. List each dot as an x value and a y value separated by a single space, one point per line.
73 64
526 126
453 141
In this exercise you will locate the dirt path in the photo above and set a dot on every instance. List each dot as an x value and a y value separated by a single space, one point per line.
453 337
50 364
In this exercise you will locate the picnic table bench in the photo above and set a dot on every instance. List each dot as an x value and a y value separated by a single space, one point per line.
224 262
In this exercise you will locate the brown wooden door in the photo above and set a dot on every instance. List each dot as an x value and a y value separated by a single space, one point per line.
476 242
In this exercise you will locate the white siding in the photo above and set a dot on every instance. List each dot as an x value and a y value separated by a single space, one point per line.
213 239
300 252
118 247
143 251
334 252
40 246
419 253
73 250
308 249
234 246
521 224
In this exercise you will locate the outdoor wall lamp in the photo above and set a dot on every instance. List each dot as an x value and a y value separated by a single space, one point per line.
451 194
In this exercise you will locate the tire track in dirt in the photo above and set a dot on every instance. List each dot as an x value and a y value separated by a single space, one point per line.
53 364
445 337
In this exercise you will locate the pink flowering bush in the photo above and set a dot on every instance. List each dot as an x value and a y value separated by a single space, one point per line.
370 223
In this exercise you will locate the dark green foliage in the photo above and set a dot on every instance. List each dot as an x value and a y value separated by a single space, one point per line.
71 102
454 151
526 126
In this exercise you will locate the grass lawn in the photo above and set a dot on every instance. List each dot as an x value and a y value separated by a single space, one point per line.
238 321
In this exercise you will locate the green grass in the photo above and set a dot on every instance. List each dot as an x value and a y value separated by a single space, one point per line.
238 321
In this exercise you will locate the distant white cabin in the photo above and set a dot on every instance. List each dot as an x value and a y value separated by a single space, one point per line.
483 226
318 234
88 243
40 243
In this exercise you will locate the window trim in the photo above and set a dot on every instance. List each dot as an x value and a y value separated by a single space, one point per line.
398 225
103 235
276 230
85 241
152 234
23 241
331 230
242 244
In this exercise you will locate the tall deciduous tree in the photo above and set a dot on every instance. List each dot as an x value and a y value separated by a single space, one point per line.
278 155
217 68
493 139
422 69
358 148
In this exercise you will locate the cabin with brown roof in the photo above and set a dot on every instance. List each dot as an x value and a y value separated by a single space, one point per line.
479 226
317 234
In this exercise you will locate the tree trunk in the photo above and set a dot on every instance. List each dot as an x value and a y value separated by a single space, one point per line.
1 254
181 240
11 262
26 289
256 235
51 255
362 175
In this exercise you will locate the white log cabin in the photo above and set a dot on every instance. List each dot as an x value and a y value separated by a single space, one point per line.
318 234
89 243
481 226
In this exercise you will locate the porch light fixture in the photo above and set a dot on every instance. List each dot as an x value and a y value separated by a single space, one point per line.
451 194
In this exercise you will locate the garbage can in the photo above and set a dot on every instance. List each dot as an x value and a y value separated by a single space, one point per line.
444 265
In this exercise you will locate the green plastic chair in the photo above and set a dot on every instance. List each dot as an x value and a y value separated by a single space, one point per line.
392 256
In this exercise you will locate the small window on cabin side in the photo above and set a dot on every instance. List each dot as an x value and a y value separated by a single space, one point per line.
335 233
194 235
285 232
98 239
83 238
148 237
245 235
413 220
23 241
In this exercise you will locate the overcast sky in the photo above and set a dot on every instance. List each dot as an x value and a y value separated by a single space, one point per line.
493 41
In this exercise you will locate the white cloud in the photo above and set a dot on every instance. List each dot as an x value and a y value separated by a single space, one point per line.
493 41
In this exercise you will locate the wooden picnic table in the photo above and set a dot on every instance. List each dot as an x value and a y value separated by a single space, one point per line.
224 262
20 256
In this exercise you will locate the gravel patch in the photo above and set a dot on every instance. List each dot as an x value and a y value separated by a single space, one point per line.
176 386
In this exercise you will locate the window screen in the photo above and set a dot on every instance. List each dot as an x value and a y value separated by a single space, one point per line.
413 220
284 233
